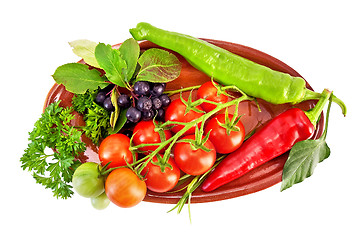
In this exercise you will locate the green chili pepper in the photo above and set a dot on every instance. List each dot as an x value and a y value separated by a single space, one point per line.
230 69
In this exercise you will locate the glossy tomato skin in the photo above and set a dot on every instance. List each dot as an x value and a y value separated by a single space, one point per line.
223 142
124 188
144 133
194 162
158 181
115 149
175 112
209 91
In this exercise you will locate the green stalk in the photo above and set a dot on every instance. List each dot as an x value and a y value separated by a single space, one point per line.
172 92
187 126
311 95
314 113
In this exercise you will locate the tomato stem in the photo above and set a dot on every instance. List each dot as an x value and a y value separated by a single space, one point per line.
173 92
172 140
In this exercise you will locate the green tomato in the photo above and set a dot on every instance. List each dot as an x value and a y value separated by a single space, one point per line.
101 202
87 181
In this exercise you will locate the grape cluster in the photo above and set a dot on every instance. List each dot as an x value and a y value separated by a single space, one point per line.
147 101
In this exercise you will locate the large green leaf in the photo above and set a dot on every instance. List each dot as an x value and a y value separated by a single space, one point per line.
109 59
78 78
158 65
86 50
302 161
129 51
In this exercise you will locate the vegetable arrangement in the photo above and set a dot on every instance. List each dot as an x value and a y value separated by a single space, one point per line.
151 140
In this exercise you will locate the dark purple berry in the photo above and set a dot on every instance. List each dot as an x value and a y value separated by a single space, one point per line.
141 88
133 114
128 124
165 100
148 115
107 104
144 104
160 113
157 103
158 89
123 101
100 97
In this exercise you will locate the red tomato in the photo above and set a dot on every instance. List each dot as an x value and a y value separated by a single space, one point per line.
194 162
175 112
223 142
144 133
124 188
115 149
209 91
158 181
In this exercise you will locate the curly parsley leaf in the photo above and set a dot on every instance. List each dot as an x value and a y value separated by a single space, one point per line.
52 133
97 119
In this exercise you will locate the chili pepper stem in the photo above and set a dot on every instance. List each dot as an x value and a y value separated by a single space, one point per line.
314 113
311 95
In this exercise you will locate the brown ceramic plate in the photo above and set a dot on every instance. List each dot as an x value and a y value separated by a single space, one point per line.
258 179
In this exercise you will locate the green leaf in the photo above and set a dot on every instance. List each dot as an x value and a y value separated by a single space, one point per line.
158 65
78 78
115 114
129 51
109 59
86 50
302 161
122 119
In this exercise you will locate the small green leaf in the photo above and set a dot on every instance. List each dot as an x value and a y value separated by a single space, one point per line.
158 65
86 50
302 161
109 59
122 119
115 114
129 51
78 78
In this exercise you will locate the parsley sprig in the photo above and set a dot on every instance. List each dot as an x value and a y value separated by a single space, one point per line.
96 118
52 131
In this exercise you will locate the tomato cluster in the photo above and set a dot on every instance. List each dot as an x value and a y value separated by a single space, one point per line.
127 180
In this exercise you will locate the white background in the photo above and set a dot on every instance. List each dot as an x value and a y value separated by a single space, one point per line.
319 39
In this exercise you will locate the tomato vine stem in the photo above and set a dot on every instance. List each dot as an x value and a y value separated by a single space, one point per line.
172 140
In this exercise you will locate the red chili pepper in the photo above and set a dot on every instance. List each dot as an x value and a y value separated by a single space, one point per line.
275 138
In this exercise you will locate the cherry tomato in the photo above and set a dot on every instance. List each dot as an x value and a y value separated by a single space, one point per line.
100 202
209 91
115 149
175 112
158 181
124 188
223 142
194 162
86 180
144 133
